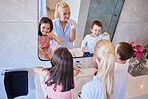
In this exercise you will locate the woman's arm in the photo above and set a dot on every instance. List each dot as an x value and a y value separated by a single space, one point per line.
40 71
52 35
73 31
75 70
72 35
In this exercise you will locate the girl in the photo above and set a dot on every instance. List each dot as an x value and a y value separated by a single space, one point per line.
101 87
45 36
63 27
59 78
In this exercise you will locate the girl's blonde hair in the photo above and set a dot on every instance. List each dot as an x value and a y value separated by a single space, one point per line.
60 5
104 52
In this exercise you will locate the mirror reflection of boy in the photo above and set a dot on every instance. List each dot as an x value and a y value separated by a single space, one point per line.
90 40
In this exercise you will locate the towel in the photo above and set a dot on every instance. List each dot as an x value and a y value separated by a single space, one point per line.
16 83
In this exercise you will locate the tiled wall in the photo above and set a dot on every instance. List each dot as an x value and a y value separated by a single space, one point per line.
18 30
133 23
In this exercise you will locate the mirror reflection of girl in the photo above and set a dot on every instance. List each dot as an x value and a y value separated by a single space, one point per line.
45 36
91 39
63 27
59 79
101 87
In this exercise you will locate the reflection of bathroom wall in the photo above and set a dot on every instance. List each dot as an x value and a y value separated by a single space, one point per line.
42 9
51 4
105 11
82 17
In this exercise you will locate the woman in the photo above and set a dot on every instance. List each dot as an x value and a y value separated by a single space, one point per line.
63 28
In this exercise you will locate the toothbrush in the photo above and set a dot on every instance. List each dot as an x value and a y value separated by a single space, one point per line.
98 34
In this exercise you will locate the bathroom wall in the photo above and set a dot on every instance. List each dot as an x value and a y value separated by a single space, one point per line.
133 23
18 30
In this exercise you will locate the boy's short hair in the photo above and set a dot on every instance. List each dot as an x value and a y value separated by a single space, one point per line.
125 50
98 23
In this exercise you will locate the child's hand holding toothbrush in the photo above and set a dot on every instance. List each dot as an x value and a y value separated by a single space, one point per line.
105 34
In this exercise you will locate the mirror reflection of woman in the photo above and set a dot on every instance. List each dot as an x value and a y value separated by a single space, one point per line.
45 36
63 27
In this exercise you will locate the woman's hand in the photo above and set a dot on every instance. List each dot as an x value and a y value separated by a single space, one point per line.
72 24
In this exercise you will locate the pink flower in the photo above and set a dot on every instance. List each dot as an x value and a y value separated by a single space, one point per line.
147 49
138 47
133 44
138 54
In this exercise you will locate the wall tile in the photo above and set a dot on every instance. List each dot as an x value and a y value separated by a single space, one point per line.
134 11
132 25
18 11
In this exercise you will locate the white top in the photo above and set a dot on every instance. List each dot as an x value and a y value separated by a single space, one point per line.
93 89
91 41
122 66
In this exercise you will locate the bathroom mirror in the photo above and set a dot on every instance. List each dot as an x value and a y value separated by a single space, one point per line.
106 11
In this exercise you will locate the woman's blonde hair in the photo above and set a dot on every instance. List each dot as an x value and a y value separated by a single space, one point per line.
104 52
60 5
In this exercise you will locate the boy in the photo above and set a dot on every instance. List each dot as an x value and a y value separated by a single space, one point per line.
124 51
91 39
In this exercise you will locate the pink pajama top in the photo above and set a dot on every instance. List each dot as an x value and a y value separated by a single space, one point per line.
56 94
44 42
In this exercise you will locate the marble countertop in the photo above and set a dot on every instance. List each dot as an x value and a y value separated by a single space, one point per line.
136 86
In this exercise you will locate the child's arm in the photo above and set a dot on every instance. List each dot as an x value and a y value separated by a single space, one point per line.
40 71
43 53
75 70
51 34
83 44
105 34
84 49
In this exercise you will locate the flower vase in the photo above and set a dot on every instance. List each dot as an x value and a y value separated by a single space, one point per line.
138 68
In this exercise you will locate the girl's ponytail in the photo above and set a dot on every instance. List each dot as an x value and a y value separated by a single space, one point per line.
104 51
106 73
